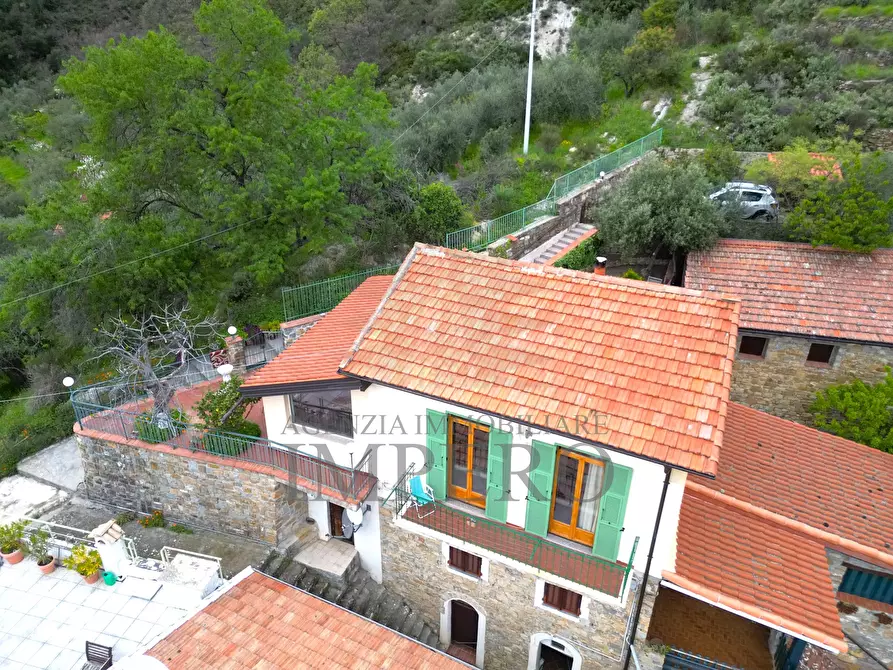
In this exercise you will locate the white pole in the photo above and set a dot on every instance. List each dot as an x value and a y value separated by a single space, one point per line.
529 79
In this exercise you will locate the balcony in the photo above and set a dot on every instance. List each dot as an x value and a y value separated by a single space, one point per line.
518 545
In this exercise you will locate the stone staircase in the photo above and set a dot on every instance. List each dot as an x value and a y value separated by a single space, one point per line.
356 591
558 244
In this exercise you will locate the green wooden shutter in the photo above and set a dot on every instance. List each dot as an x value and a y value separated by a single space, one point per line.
498 452
611 514
437 453
539 497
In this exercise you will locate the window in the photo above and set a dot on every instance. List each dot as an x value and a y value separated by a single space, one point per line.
465 562
868 584
468 444
753 346
562 599
751 196
820 354
576 494
326 411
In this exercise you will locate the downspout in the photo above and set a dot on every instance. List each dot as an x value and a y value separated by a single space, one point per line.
644 586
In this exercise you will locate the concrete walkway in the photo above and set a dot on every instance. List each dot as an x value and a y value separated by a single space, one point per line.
58 465
22 496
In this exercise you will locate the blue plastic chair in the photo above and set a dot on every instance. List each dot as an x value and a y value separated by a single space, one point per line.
420 495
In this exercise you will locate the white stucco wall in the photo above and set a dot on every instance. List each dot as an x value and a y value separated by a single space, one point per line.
395 421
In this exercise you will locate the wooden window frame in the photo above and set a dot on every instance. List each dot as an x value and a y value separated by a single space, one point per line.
465 562
465 493
570 531
821 364
753 357
562 599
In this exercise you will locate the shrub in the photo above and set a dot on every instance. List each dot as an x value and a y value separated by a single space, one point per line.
440 211
632 274
25 430
720 162
496 141
581 257
857 411
124 518
717 27
39 547
154 520
652 60
550 138
148 428
180 528
83 560
12 536
661 14
429 66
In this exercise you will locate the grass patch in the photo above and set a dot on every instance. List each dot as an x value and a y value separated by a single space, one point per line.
866 71
855 11
854 37
12 172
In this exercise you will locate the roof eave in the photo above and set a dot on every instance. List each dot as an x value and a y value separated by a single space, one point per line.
315 386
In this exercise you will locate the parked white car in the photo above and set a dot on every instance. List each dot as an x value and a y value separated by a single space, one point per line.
755 200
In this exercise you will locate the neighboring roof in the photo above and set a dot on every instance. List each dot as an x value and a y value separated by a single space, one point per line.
799 289
838 491
755 567
546 345
315 356
261 622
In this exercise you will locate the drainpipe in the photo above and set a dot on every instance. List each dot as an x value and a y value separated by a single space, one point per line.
644 586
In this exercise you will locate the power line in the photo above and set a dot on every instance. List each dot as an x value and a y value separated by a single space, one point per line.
32 397
135 260
458 83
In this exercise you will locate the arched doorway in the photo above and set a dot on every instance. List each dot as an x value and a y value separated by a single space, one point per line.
548 652
462 628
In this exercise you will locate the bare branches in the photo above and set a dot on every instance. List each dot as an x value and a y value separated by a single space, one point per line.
144 349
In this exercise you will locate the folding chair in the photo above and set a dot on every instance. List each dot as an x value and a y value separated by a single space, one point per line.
99 657
420 495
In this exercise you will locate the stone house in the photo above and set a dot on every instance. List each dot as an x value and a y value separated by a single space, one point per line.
810 318
512 449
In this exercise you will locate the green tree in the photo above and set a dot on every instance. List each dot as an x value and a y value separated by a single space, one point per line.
848 213
653 59
858 411
660 14
440 211
185 145
720 162
661 204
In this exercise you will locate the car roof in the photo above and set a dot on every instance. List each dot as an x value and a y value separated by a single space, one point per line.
748 185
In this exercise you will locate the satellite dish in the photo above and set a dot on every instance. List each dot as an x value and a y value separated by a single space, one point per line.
355 516
347 527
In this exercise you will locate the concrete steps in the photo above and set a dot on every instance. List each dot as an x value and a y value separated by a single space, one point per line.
356 591
558 245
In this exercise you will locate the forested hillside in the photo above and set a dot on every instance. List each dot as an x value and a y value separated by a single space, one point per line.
164 152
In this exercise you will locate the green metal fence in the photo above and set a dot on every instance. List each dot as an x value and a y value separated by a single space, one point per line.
479 236
321 296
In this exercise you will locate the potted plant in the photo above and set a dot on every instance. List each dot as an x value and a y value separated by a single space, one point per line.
12 541
38 547
84 561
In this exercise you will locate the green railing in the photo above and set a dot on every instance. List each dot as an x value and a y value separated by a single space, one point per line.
322 296
575 566
479 236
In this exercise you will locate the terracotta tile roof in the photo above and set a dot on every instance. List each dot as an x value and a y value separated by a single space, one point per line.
839 491
799 289
753 566
316 354
546 345
263 623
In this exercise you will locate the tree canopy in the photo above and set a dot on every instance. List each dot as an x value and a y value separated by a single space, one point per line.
858 411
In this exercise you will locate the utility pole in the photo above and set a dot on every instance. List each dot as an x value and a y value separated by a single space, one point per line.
529 78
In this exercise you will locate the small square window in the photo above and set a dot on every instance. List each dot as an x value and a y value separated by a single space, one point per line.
562 599
465 562
820 354
753 346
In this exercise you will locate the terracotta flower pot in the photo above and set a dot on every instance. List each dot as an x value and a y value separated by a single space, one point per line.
92 579
48 568
14 557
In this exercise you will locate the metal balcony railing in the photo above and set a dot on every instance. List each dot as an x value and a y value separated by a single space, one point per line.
575 566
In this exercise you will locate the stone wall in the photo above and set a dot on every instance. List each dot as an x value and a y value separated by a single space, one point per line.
194 492
784 385
868 629
414 567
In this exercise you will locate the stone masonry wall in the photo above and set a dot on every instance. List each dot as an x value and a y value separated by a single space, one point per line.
209 495
784 385
414 568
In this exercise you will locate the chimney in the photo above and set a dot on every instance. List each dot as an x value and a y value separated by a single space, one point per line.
601 264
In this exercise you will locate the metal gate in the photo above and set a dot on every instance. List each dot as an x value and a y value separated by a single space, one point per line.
676 659
262 347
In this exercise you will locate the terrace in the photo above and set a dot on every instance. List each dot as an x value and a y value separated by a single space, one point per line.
549 555
119 413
